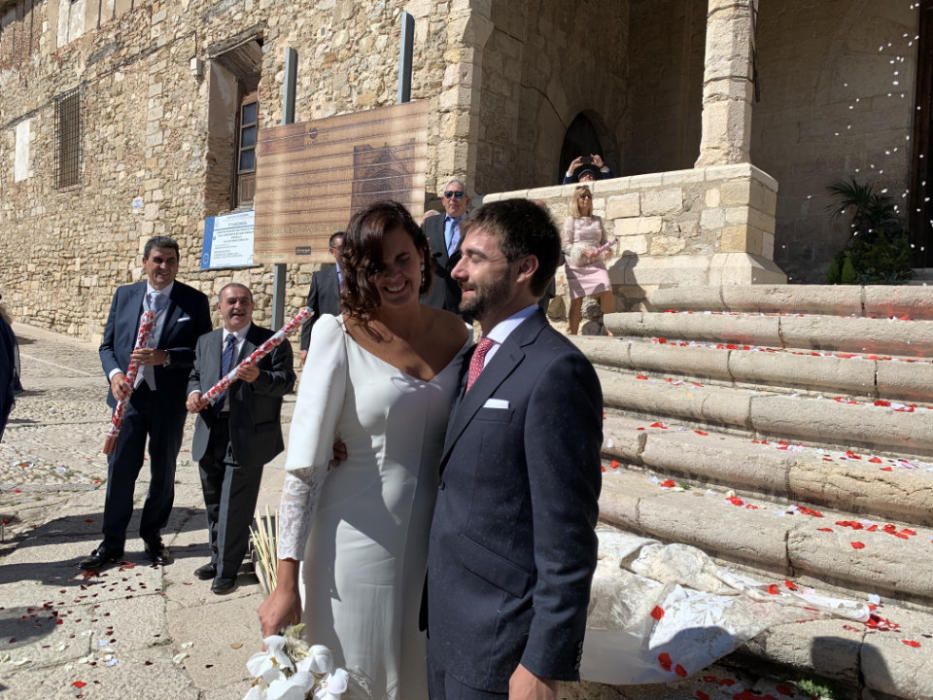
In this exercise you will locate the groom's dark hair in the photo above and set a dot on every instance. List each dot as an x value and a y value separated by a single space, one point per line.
523 228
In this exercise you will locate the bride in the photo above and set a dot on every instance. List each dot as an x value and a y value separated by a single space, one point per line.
381 378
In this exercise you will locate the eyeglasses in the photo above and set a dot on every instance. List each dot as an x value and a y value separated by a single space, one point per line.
451 194
585 196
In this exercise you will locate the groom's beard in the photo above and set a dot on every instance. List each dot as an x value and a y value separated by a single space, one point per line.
486 297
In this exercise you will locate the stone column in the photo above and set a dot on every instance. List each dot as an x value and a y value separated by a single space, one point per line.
728 90
468 29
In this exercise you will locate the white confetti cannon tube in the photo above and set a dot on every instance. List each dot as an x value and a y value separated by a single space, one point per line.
146 324
220 387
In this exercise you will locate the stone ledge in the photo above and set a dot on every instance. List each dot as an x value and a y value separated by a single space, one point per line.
733 460
836 300
861 335
801 418
789 546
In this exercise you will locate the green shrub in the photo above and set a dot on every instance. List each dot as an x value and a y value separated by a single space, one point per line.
878 250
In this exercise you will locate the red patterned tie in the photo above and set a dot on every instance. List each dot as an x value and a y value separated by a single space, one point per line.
476 362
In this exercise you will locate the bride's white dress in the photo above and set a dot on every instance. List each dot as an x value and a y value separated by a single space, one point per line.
362 529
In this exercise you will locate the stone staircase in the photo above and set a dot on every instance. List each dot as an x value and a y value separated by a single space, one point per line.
787 431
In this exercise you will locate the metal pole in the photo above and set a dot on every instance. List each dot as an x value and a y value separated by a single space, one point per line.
406 49
288 117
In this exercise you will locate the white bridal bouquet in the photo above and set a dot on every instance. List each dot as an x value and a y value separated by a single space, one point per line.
290 669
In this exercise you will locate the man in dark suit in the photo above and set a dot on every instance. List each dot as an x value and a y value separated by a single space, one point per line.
157 406
324 293
512 544
444 236
240 433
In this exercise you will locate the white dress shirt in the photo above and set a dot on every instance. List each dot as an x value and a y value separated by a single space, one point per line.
502 330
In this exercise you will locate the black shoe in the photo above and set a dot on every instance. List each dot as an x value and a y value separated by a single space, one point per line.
158 553
208 571
222 586
101 557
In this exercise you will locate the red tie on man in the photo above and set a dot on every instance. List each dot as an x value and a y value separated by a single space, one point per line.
476 362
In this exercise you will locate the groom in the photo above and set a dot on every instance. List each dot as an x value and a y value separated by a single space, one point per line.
512 546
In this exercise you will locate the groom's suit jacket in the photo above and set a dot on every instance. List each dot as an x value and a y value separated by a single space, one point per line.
512 545
255 409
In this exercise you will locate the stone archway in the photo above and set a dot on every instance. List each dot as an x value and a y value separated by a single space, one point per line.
586 135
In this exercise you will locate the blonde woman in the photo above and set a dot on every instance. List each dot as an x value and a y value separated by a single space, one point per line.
582 240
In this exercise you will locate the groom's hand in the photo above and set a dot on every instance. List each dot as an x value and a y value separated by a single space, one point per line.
524 685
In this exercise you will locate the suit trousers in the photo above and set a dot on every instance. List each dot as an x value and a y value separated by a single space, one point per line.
146 416
230 493
443 686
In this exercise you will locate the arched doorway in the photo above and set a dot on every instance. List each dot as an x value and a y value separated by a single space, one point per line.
583 137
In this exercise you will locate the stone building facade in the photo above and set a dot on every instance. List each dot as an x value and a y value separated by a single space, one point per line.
120 119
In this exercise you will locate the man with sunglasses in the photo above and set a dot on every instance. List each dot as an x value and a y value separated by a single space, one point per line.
443 234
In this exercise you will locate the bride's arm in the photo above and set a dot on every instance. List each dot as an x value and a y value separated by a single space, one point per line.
310 449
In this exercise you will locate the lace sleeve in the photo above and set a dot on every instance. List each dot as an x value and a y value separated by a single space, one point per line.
299 498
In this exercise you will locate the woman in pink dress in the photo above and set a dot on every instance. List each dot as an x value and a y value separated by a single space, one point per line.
582 237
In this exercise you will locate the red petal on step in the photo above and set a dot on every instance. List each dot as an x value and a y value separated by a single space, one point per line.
851 455
790 585
681 671
911 643
875 460
809 511
824 529
664 661
700 695
602 469
887 469
882 403
657 612
873 528
736 501
858 545
640 376
773 589
658 424
79 684
668 484
662 340
701 432
615 464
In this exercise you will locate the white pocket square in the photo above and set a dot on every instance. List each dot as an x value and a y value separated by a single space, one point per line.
182 319
496 403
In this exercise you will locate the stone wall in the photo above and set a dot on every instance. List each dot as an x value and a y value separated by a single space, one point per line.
544 63
829 110
696 227
144 111
665 69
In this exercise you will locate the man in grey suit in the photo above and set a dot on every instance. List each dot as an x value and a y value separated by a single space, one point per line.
240 433
443 234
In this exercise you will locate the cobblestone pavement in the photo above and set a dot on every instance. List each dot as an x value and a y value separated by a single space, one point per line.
135 631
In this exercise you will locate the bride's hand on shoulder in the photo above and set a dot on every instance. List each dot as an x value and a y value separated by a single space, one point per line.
281 609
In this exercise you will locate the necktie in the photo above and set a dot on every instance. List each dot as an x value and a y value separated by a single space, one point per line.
453 239
226 364
154 302
477 361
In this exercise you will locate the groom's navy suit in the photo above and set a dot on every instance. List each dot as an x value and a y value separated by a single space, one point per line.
512 544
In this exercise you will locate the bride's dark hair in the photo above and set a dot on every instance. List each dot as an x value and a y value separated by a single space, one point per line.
361 258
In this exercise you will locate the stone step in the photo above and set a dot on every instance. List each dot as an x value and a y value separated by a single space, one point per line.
881 377
912 339
824 546
870 485
902 429
879 662
876 301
